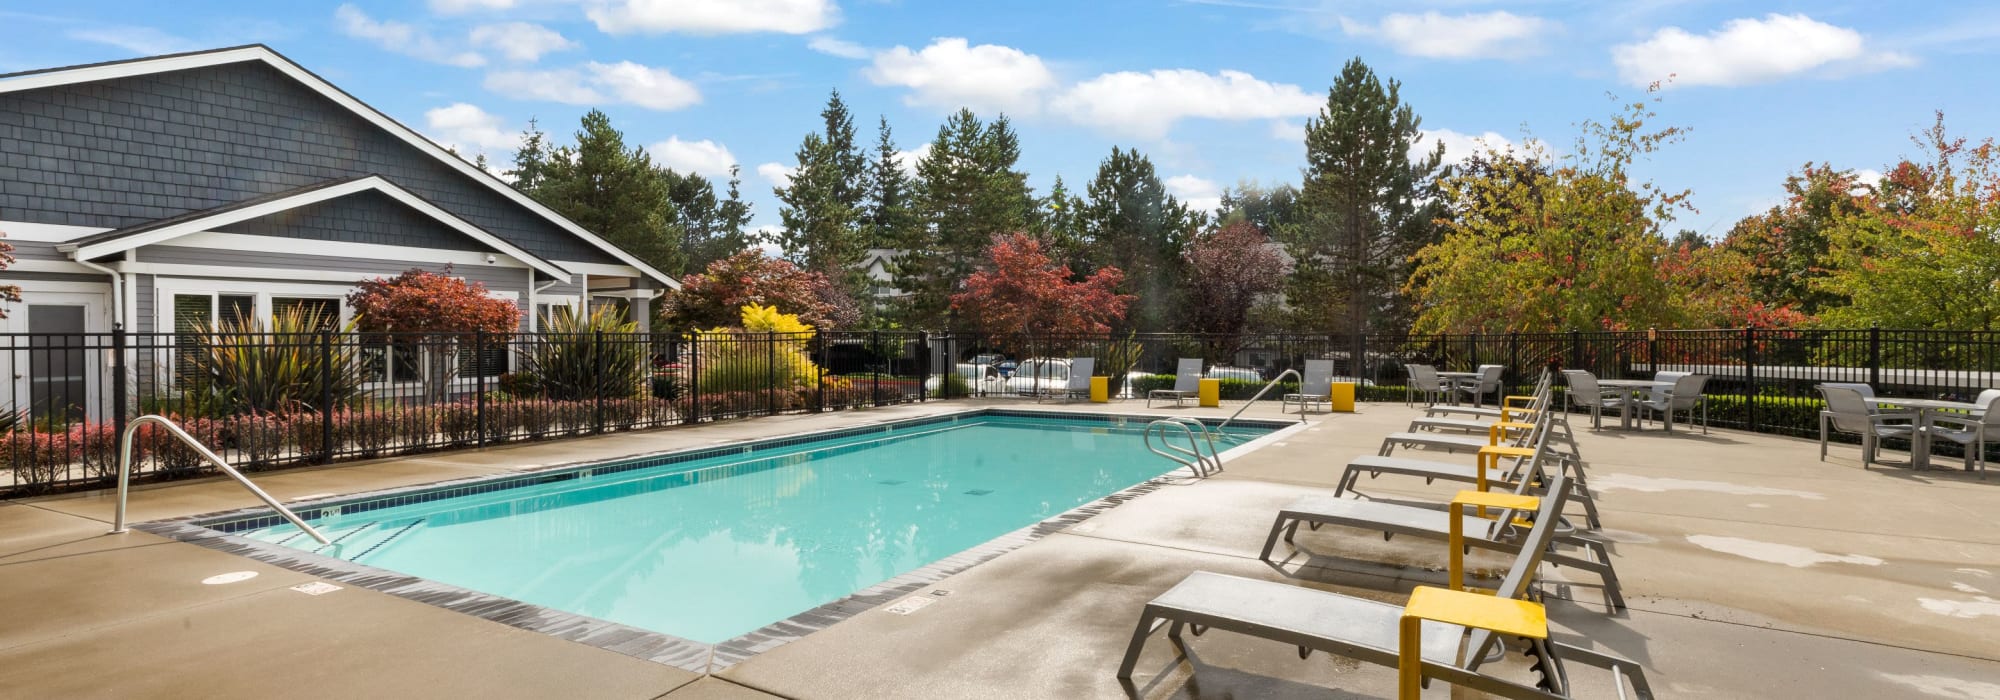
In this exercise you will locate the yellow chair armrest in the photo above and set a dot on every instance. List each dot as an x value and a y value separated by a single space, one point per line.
1518 618
1507 451
1508 414
1511 400
1489 499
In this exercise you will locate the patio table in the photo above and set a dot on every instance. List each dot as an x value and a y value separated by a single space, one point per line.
1920 443
1453 379
1629 397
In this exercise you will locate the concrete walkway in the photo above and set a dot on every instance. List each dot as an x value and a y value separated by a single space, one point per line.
1752 570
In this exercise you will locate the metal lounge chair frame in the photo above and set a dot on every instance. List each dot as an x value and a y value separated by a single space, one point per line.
1318 376
1510 408
1077 383
1545 447
1187 380
1366 630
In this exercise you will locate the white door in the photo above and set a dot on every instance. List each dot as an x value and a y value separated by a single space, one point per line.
56 363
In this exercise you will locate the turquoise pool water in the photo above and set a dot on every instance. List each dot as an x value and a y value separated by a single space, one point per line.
711 549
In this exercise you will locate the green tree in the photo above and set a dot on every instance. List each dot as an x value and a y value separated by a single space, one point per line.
1787 246
712 228
890 210
1058 224
1535 243
610 190
1362 209
1270 209
1132 224
531 159
822 207
968 192
1924 251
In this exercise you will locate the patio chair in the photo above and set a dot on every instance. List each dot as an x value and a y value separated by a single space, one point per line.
1585 393
1187 380
1509 408
1971 432
1423 520
1515 433
1848 412
1487 383
1424 380
1078 383
1367 630
1683 394
1541 388
1315 387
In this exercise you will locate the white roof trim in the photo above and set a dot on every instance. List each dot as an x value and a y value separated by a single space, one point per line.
164 64
371 183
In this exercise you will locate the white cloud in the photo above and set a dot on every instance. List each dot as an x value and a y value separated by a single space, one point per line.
1199 194
1287 131
705 157
1495 34
453 7
950 73
599 83
468 128
713 16
778 174
1748 51
1457 146
520 41
144 41
1147 104
908 159
403 38
837 47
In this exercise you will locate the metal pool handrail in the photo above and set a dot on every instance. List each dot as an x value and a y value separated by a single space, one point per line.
1260 394
125 474
1201 464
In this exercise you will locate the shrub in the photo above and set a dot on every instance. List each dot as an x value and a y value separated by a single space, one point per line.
459 422
520 384
170 456
259 437
571 362
769 351
243 366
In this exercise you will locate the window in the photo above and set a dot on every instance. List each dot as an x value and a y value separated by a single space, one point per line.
327 311
196 315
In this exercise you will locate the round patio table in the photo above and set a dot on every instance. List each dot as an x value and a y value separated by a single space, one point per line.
1920 447
1452 381
1628 397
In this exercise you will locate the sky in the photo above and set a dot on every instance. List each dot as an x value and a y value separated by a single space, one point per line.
1216 92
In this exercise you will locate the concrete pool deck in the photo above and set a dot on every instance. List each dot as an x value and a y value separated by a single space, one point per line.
1751 569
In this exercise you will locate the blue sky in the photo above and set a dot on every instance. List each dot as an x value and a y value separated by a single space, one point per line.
1213 90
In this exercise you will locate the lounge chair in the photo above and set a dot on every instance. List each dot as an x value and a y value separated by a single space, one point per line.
1422 521
1368 630
1315 387
1849 412
1510 432
1488 382
1552 442
1078 383
1512 408
1514 402
1679 392
1187 380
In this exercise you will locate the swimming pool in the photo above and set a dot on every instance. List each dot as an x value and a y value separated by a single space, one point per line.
711 544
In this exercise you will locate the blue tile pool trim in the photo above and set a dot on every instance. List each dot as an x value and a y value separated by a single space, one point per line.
215 531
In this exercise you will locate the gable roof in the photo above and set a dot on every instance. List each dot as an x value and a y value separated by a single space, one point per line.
161 230
52 77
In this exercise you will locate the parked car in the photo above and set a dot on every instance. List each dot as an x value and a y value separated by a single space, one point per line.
1244 373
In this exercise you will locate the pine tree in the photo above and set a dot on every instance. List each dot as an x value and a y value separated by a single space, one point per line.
1132 224
612 191
820 231
712 228
531 159
1362 210
852 187
1058 224
890 213
968 192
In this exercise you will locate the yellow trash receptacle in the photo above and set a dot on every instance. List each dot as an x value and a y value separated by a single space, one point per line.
1100 390
1340 397
1210 393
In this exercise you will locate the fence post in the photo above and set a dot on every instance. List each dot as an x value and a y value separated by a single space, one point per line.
1874 355
1575 349
694 378
597 355
924 368
1750 377
1653 349
874 371
770 373
326 396
479 374
1514 356
119 390
819 387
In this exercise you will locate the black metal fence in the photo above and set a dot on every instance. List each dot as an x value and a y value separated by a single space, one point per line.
266 400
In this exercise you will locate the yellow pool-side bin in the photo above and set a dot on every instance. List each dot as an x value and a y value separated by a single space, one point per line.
1340 397
1100 390
1210 393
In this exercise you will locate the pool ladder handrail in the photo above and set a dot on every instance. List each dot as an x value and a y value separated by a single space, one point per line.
125 474
1191 456
1260 394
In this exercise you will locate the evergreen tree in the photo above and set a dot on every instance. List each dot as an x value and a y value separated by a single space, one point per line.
1270 209
712 228
1132 224
968 192
821 232
531 159
1058 224
1363 208
890 211
852 187
612 191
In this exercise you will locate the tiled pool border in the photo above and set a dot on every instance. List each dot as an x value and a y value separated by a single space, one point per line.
213 530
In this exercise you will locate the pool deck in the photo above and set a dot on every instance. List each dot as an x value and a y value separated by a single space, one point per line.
1752 570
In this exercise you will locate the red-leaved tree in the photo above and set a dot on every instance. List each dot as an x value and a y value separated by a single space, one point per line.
435 313
1229 269
716 297
1020 290
8 292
